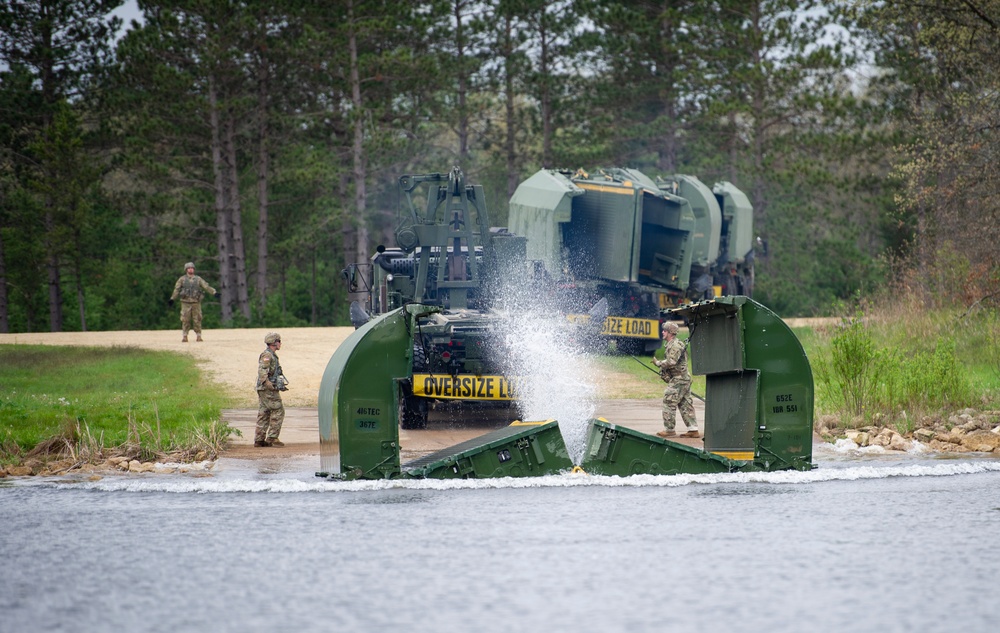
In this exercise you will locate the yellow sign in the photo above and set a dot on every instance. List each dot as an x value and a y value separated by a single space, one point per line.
623 326
464 387
608 189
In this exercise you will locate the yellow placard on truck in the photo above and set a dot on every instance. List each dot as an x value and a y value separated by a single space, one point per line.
464 387
623 326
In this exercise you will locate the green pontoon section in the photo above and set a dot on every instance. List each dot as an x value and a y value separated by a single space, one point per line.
359 400
758 383
523 449
758 408
617 450
359 404
758 400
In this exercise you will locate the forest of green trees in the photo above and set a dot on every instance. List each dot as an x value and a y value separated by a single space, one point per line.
262 139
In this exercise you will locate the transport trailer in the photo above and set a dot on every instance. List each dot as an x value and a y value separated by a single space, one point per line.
636 243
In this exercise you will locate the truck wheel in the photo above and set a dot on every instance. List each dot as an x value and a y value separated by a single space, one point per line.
414 413
419 358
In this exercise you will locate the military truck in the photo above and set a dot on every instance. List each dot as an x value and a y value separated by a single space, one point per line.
634 246
447 268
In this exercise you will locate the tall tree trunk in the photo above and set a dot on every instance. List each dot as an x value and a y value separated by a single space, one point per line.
313 293
52 267
4 303
263 165
236 217
284 288
546 91
463 88
350 243
668 98
509 141
357 151
78 270
758 101
734 154
223 224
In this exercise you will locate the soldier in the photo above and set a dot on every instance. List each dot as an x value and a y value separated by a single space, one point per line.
190 288
677 395
270 384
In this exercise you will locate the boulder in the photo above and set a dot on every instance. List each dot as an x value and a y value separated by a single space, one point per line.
898 443
981 441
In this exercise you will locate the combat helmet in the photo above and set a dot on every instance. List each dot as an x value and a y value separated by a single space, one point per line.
671 327
188 265
271 338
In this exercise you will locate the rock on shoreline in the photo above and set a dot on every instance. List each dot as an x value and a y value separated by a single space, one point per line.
967 431
57 467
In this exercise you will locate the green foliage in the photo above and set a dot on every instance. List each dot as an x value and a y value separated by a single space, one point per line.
856 366
301 102
112 396
869 370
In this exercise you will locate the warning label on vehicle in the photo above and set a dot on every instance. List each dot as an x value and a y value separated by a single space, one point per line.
623 326
464 387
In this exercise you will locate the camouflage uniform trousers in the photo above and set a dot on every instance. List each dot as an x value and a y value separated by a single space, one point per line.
677 396
191 316
270 415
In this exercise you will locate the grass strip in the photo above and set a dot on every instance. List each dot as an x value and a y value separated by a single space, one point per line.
95 402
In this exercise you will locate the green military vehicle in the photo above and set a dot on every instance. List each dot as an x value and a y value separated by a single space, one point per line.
447 269
633 246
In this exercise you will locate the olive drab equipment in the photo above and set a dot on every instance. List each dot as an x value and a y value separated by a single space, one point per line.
639 244
758 416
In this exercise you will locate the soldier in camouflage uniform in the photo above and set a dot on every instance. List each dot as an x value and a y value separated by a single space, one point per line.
677 395
190 288
270 383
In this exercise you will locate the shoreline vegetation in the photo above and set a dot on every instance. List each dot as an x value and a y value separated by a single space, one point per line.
901 379
72 408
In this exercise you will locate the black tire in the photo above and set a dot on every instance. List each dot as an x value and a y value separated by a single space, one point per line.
413 414
419 358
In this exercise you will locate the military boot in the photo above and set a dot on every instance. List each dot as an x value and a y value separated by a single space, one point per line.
275 442
184 339
199 339
261 444
666 434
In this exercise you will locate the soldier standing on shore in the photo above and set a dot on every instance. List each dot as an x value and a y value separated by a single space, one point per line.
190 288
270 384
677 394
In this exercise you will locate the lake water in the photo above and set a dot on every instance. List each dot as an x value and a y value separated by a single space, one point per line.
866 542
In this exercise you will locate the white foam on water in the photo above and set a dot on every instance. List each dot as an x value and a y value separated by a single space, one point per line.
844 446
299 483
